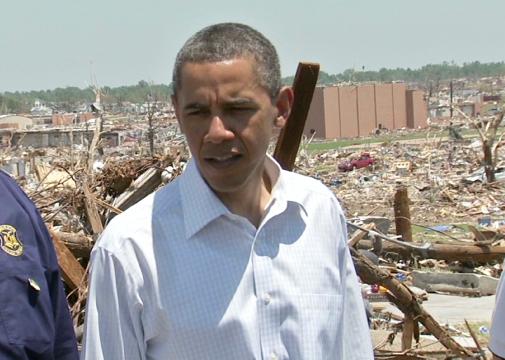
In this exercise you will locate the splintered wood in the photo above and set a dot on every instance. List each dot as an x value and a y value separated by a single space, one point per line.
406 301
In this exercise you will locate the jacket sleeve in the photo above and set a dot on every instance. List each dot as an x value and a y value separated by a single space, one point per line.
65 344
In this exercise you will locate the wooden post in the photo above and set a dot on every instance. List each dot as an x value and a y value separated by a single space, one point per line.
408 331
303 88
402 214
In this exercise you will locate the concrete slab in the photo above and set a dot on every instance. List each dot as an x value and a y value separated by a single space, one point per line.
427 280
455 309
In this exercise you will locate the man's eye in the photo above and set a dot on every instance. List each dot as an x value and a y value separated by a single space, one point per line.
197 112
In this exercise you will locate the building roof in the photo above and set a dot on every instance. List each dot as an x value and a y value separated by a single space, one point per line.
15 121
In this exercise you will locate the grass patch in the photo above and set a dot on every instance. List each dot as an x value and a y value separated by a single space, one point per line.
423 233
325 168
387 138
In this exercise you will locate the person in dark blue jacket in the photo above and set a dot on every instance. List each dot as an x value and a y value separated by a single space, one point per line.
35 320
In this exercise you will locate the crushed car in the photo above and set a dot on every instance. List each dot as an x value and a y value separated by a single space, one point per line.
364 160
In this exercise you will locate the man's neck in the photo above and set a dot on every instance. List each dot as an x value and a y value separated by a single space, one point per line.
248 203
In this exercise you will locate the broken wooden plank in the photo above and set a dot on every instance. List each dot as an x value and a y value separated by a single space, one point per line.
143 186
71 270
291 135
92 210
80 245
359 234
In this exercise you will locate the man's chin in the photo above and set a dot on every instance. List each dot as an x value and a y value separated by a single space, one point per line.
224 187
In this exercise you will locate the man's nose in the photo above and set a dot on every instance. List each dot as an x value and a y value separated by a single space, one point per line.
218 131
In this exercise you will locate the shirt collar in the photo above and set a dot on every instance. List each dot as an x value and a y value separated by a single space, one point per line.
283 183
200 205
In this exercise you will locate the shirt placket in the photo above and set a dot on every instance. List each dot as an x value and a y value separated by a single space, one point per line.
267 293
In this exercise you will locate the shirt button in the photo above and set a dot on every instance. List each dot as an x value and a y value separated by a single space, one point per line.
273 356
267 299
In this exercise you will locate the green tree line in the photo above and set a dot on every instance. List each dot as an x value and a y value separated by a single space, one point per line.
66 99
69 98
424 75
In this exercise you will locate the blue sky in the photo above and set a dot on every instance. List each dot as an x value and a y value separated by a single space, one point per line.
58 43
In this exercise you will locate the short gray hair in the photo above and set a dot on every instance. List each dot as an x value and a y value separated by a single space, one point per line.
228 41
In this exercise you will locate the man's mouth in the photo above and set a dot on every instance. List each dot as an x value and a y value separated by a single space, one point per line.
222 160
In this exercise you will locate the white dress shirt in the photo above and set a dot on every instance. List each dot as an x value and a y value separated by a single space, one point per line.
497 341
178 276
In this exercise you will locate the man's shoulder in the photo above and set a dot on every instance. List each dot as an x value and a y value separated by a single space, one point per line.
306 184
129 226
15 200
134 226
7 180
311 193
5 175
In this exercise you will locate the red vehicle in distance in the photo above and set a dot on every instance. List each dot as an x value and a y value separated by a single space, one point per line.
364 160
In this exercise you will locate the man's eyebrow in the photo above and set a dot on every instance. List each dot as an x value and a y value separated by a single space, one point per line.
228 103
240 101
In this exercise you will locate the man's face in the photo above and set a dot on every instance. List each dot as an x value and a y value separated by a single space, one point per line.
227 118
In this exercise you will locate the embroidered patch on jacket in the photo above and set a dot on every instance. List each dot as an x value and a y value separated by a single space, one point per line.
9 241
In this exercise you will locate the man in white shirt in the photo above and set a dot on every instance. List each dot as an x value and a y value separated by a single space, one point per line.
236 258
497 341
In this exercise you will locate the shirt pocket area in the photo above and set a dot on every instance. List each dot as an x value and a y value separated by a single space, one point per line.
26 314
320 317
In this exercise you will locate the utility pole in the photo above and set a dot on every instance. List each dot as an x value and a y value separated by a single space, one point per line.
450 89
150 115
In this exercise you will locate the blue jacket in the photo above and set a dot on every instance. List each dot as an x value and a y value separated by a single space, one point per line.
35 321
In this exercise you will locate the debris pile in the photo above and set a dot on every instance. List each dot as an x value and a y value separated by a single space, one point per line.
77 196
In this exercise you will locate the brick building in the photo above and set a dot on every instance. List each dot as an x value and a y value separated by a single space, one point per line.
358 110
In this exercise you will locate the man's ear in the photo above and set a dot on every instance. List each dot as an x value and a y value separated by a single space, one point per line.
283 104
177 113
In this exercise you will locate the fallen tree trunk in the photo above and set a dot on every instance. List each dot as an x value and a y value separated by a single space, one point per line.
443 252
405 300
